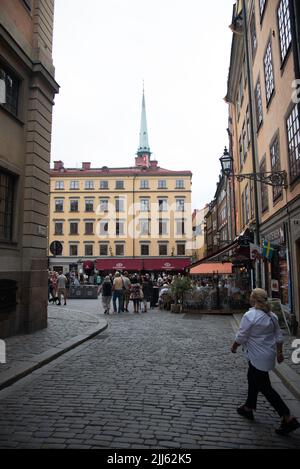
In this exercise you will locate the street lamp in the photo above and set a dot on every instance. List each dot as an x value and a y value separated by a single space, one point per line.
273 178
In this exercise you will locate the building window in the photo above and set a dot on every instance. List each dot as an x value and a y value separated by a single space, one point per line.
145 205
144 184
241 153
259 105
89 228
59 205
119 184
262 6
59 185
275 165
180 227
285 30
162 227
74 185
88 249
103 205
293 132
162 205
180 205
89 185
163 249
73 228
180 249
253 35
58 228
103 228
89 205
27 4
120 205
119 249
179 184
245 142
103 250
7 190
11 85
145 227
269 73
73 250
120 227
74 205
104 185
248 127
145 249
162 184
264 188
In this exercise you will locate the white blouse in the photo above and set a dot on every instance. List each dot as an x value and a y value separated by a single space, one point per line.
259 333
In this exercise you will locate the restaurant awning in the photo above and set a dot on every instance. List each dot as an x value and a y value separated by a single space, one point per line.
88 265
212 268
119 264
171 264
150 264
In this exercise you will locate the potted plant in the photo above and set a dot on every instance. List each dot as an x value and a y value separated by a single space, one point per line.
179 287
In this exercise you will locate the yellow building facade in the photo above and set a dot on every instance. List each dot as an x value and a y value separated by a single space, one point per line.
121 218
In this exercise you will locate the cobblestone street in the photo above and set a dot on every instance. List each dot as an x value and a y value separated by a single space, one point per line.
155 380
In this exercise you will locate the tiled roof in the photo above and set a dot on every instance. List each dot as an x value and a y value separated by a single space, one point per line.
65 172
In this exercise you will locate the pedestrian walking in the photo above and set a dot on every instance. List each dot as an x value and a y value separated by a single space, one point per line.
106 289
118 286
126 290
135 293
62 287
261 338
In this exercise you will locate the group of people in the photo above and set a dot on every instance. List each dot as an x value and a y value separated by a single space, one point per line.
121 288
57 287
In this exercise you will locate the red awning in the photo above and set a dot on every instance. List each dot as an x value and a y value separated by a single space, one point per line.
170 264
212 268
166 264
119 264
88 265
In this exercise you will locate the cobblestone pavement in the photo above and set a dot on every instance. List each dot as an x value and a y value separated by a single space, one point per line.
155 380
63 323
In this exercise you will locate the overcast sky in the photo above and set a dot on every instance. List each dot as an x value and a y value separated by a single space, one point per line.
104 49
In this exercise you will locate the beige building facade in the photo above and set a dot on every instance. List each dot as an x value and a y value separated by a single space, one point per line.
27 89
136 218
265 135
114 215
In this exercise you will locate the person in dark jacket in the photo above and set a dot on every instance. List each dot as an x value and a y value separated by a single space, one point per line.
106 289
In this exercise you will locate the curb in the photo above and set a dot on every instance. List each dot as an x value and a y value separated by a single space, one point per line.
24 368
289 377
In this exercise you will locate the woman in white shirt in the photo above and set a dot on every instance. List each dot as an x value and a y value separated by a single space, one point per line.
261 338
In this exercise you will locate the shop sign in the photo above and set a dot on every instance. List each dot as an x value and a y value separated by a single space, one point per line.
276 236
275 285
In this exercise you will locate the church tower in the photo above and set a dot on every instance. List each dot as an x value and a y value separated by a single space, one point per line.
143 153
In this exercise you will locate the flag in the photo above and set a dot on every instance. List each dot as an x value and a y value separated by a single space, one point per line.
267 250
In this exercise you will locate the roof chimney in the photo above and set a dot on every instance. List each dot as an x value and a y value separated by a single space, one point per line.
58 165
86 166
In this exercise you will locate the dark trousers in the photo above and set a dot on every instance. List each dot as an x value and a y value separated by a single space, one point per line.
259 381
